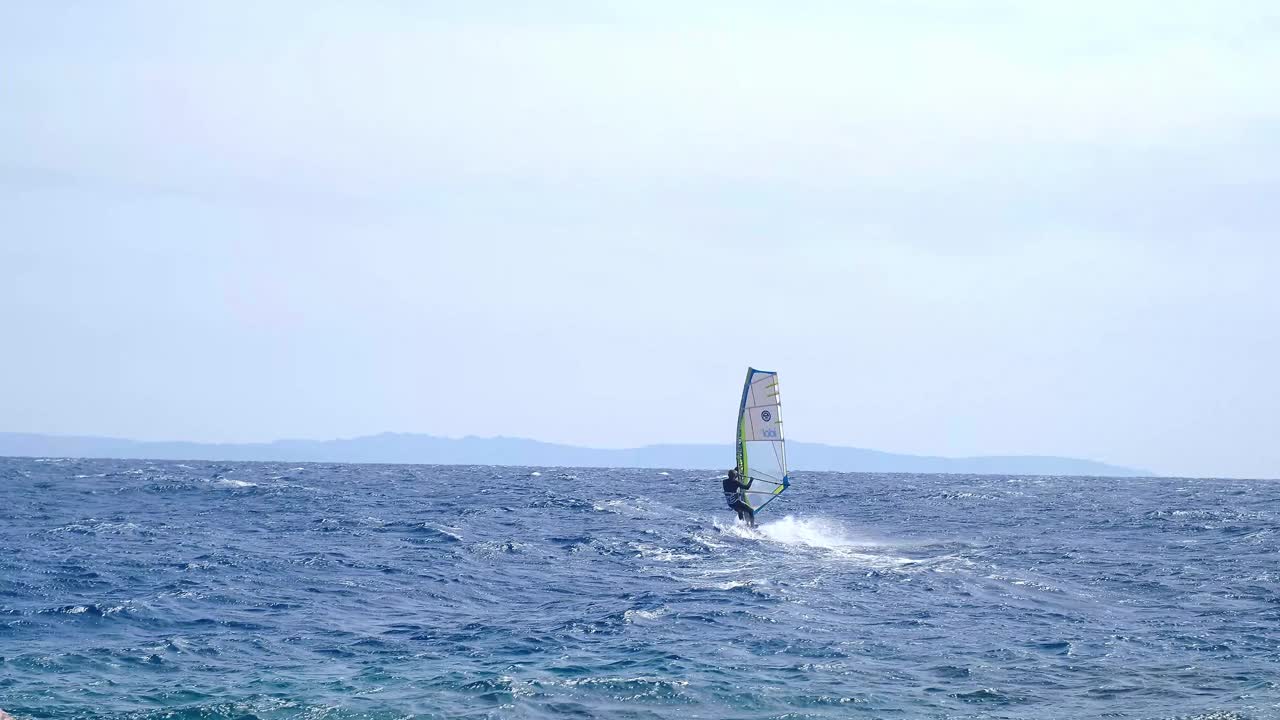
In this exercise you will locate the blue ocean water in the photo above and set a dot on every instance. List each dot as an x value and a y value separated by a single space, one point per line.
134 589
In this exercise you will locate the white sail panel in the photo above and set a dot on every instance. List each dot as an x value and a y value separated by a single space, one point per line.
764 390
763 424
762 459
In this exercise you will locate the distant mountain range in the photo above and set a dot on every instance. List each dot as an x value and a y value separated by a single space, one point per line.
432 450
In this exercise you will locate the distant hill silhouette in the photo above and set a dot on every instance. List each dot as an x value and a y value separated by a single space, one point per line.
429 449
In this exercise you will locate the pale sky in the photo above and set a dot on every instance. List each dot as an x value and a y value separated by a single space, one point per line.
956 228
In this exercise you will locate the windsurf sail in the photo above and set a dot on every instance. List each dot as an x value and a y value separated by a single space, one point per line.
762 452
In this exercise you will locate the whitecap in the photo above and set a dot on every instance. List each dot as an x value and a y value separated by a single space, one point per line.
661 554
631 616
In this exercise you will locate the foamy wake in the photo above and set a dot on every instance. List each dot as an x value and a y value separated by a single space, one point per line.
820 533
815 532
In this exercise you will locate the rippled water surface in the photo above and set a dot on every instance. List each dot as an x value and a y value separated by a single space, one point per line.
134 589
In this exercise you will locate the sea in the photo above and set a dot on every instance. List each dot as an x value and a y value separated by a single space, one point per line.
213 590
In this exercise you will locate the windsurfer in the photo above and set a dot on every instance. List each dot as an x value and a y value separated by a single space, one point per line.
733 488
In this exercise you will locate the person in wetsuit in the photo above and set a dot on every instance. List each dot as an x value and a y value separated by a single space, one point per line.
733 488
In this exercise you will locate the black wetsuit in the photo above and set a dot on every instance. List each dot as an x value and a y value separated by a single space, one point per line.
732 487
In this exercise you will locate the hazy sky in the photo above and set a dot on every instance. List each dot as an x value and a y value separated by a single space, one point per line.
954 228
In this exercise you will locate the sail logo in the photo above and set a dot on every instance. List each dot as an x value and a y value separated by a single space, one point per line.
765 415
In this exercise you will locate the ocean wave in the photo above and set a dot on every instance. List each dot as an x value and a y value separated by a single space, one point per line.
396 591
